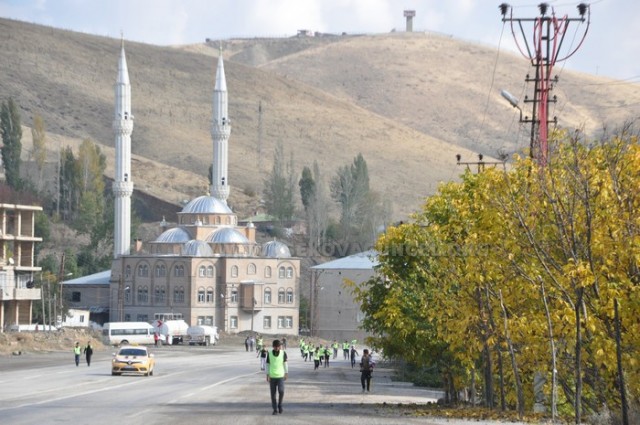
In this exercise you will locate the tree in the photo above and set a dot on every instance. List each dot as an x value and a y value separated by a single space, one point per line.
11 142
528 262
279 187
307 188
39 153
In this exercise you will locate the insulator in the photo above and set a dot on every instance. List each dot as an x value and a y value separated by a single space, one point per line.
504 8
582 9
543 8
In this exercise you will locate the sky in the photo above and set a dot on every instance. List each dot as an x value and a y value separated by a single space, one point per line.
611 47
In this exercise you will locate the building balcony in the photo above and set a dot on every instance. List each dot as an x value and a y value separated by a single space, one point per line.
19 294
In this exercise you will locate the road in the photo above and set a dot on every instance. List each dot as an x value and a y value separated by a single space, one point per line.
195 385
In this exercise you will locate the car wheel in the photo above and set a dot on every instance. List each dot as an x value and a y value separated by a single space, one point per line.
151 372
124 342
115 374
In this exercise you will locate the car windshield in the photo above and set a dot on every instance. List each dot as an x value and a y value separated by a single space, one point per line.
132 352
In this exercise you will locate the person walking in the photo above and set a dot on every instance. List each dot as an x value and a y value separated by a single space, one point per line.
156 337
77 350
88 352
277 373
345 350
354 354
263 357
366 368
246 344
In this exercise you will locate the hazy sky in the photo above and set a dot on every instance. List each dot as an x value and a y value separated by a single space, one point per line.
612 46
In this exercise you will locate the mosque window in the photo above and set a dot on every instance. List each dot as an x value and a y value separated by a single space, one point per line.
251 268
234 271
161 270
178 295
178 271
143 294
281 296
289 296
281 272
202 271
267 296
267 271
159 295
289 272
200 295
210 271
209 295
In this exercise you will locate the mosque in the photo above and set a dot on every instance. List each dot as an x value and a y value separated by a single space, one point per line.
207 270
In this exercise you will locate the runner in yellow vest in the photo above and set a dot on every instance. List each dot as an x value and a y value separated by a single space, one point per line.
277 372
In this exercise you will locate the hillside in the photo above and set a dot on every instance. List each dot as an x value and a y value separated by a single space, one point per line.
408 102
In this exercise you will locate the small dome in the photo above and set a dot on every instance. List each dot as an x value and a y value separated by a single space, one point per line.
275 249
227 235
195 248
206 205
175 235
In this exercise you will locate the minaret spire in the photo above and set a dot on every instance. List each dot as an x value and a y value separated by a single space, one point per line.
220 131
122 182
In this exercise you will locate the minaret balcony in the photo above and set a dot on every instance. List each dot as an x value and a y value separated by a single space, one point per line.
123 127
122 188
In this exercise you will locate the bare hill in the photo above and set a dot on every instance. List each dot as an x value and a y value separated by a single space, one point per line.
408 102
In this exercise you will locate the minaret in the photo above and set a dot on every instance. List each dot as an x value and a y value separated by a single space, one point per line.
220 131
122 184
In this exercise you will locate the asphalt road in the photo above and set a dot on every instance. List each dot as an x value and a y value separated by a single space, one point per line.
197 385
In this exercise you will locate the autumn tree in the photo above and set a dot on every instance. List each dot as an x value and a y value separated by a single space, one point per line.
279 186
39 152
11 150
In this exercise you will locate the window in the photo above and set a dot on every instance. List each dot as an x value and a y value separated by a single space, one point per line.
289 296
143 270
127 294
178 271
143 294
200 295
159 295
202 271
285 322
289 272
127 271
210 271
281 272
209 295
178 295
161 270
233 322
127 317
267 296
251 269
234 271
82 318
75 296
205 320
234 295
267 271
280 296
142 318
266 322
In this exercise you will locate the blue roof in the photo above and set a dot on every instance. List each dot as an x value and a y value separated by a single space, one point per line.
362 261
100 278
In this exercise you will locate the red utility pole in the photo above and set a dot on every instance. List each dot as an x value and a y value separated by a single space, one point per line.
543 50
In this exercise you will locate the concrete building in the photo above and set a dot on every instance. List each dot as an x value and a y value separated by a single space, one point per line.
208 269
17 251
334 313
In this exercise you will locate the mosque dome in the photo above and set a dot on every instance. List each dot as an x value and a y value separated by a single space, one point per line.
195 248
275 249
206 205
227 235
174 235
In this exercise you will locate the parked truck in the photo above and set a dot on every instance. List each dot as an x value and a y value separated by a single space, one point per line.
202 335
171 331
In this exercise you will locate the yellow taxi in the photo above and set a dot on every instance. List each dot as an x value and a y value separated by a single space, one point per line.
133 359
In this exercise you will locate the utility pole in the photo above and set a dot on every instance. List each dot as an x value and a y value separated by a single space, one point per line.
480 163
543 50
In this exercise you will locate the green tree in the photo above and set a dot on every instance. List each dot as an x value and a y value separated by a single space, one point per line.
279 187
11 142
39 153
307 187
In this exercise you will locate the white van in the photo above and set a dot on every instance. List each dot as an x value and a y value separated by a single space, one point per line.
117 333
